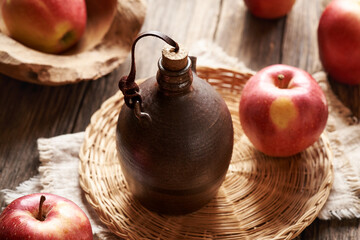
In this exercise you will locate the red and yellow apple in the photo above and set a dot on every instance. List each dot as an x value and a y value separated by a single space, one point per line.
269 9
339 40
49 26
282 110
43 216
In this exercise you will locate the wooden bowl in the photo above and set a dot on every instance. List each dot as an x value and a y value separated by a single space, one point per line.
111 27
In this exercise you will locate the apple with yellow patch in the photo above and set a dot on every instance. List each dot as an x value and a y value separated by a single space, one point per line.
43 216
49 26
282 110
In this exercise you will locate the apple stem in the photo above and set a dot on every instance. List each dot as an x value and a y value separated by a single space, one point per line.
40 214
281 78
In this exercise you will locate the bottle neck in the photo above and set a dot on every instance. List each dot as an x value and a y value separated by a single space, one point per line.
174 82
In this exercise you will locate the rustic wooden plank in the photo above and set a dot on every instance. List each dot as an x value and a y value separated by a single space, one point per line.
29 112
334 229
300 48
230 26
185 21
96 93
256 42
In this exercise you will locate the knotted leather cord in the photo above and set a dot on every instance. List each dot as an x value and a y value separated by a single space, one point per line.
127 84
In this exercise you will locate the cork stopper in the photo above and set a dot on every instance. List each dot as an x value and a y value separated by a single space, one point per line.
174 61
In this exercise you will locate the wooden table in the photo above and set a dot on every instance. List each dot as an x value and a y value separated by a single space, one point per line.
30 111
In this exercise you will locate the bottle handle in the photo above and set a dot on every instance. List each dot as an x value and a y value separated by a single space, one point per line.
127 84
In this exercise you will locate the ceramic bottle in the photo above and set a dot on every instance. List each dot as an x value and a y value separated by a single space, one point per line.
174 134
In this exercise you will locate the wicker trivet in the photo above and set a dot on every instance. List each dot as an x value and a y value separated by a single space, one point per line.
261 198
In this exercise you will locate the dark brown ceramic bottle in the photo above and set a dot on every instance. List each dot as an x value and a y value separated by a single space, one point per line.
174 135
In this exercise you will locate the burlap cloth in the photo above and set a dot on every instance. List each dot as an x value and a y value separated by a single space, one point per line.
58 171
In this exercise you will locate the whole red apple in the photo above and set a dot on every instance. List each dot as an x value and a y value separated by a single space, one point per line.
44 216
339 40
282 110
49 26
269 9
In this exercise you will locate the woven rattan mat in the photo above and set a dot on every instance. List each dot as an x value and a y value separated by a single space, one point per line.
261 197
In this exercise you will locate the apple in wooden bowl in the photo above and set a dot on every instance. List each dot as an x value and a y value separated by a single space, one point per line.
49 26
111 26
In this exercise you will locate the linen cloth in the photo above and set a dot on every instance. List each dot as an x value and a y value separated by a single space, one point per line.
59 160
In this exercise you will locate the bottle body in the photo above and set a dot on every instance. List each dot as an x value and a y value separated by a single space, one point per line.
176 164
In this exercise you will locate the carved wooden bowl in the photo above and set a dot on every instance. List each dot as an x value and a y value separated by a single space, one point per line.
111 27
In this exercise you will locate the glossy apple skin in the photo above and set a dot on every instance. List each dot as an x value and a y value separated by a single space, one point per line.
282 121
49 26
64 219
269 9
339 40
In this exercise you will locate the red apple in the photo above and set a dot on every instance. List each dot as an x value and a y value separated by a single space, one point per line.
52 217
339 40
282 110
49 26
269 9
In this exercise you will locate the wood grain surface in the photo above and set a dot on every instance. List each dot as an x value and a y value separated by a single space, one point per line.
30 111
